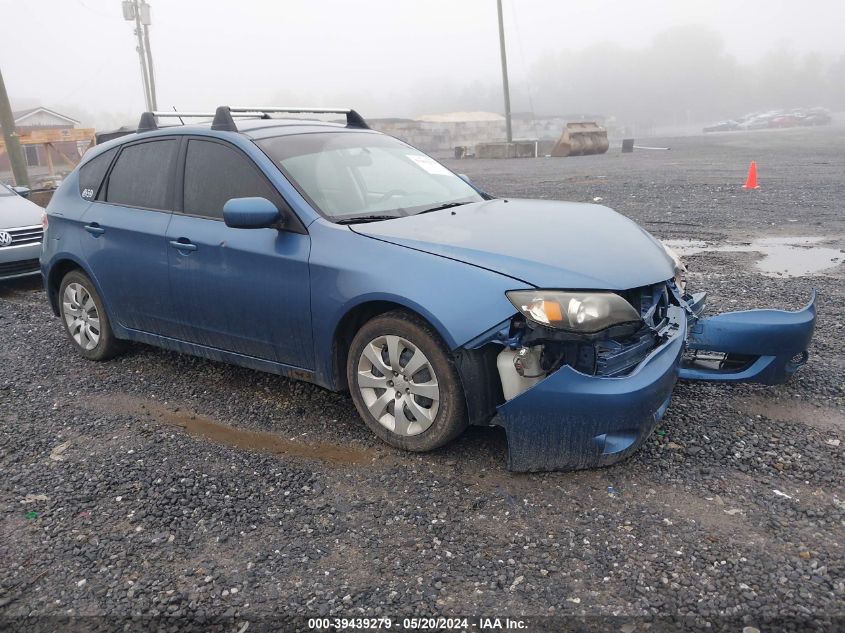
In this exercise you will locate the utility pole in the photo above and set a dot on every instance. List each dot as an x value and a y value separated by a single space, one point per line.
505 72
10 136
139 12
145 74
146 20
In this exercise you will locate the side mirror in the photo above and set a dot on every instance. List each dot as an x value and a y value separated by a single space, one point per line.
251 213
23 192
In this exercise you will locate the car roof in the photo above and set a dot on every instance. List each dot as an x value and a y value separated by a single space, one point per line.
263 128
260 128
251 128
253 122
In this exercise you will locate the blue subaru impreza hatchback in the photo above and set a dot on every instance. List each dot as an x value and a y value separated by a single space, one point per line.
336 254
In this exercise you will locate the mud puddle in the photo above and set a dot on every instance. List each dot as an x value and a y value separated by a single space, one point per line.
781 256
200 426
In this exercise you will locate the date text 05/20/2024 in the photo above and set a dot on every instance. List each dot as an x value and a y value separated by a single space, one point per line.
416 624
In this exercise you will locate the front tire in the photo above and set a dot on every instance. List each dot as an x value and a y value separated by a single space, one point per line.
85 319
404 384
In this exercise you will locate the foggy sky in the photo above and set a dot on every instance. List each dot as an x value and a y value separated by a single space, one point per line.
383 57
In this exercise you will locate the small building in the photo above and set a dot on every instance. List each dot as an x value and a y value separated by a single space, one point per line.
40 119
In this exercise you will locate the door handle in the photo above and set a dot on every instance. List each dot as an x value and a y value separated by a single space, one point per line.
183 246
94 229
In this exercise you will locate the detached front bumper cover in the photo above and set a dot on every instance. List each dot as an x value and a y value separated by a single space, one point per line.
775 342
571 420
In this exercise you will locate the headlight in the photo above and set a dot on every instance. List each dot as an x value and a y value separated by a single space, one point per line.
680 274
584 312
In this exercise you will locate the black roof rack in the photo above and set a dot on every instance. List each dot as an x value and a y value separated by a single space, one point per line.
148 120
224 117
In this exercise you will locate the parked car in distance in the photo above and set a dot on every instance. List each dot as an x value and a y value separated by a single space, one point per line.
336 254
785 120
816 116
760 121
775 119
21 232
722 126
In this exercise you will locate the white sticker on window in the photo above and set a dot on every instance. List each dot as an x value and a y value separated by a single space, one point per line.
429 164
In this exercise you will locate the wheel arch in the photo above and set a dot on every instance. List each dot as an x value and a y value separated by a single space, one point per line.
355 317
56 273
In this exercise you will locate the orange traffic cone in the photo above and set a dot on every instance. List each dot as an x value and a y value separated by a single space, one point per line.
751 181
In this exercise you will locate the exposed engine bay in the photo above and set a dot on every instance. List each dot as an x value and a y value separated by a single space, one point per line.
535 351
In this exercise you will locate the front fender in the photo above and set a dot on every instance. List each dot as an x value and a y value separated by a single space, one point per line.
348 269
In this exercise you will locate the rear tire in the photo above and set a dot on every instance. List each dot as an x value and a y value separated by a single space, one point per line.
85 319
404 384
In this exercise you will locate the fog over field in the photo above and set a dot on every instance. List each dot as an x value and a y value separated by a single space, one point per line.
646 62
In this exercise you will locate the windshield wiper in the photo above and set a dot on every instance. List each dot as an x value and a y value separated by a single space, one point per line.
360 219
440 207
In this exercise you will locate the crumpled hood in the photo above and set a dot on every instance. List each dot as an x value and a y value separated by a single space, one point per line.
544 243
16 211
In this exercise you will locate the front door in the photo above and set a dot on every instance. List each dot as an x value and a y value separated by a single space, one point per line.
239 290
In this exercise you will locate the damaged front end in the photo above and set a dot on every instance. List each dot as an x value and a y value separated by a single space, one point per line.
572 396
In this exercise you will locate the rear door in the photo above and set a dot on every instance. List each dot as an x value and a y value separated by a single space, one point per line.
124 234
240 290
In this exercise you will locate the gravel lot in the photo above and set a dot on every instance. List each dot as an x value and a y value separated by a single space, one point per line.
144 487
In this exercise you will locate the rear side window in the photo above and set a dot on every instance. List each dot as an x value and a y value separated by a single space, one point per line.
142 175
91 174
215 173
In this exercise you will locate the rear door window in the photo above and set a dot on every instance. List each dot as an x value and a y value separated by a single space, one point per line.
91 174
143 174
215 173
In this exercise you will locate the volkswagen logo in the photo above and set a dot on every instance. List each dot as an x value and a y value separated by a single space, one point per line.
5 239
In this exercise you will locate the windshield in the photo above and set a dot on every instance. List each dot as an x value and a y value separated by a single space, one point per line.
360 174
6 191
